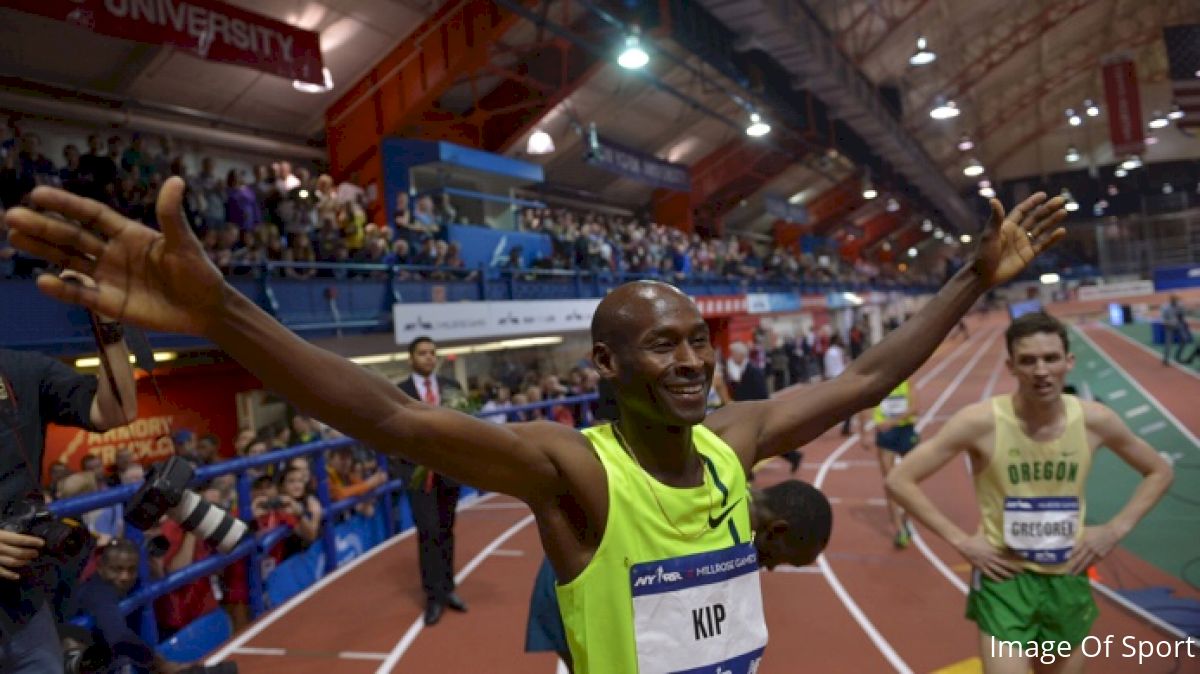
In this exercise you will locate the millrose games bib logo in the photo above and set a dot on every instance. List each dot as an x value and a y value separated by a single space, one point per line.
658 577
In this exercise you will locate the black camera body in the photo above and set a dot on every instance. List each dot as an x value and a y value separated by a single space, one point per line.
64 539
275 503
165 492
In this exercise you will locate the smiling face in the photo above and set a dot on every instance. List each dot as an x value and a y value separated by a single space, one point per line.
652 344
1040 363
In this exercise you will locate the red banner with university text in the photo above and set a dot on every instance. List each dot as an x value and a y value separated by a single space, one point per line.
208 29
1124 106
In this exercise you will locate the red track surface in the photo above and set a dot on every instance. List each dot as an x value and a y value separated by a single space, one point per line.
915 610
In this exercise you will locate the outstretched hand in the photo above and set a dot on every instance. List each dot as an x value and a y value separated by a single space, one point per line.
1009 243
156 280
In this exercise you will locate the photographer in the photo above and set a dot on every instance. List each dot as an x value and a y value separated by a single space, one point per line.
34 391
100 597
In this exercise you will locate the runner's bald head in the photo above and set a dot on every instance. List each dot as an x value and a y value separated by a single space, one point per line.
630 308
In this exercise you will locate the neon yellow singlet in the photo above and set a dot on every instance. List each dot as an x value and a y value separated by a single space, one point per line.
654 600
1031 493
896 407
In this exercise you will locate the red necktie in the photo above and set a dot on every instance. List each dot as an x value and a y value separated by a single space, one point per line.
430 398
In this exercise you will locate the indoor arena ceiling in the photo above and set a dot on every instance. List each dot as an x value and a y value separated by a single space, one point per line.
1013 67
355 35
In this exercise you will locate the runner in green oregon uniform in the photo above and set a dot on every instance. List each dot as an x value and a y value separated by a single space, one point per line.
1030 454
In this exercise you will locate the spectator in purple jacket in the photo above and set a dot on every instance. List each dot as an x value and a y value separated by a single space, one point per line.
241 203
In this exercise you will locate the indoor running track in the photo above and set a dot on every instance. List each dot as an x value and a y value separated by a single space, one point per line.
864 608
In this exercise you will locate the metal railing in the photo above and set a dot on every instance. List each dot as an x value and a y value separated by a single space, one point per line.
255 547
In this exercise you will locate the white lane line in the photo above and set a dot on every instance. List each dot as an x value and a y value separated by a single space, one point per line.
359 655
945 362
415 629
1143 613
916 535
993 378
1117 394
508 553
277 652
261 651
882 644
1151 352
266 620
1137 411
1142 390
1152 428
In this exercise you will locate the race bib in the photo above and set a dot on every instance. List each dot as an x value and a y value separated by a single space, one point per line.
894 407
1041 530
699 613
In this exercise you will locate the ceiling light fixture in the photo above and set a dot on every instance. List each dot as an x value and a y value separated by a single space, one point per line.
892 205
923 55
1091 108
633 56
1072 118
944 109
965 238
926 225
973 168
912 252
965 144
1072 155
868 189
310 88
1120 173
757 128
1176 112
539 142
987 192
1159 121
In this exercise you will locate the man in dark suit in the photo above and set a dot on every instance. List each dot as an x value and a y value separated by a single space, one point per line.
434 497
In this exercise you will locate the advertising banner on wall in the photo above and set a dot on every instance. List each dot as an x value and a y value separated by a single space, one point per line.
1125 126
209 29
640 166
197 399
716 306
779 207
458 321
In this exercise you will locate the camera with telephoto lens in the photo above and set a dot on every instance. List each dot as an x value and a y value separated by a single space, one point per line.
64 539
275 503
165 492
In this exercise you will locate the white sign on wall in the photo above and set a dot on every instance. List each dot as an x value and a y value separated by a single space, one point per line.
1110 291
457 321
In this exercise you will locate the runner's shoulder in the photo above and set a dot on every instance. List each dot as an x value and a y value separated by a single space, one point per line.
975 419
1098 415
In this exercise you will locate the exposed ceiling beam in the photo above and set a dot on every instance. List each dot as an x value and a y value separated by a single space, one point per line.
798 41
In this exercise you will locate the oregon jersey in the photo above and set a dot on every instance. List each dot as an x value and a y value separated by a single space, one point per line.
1031 494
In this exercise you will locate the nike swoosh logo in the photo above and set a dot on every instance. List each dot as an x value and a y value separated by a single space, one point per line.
713 523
